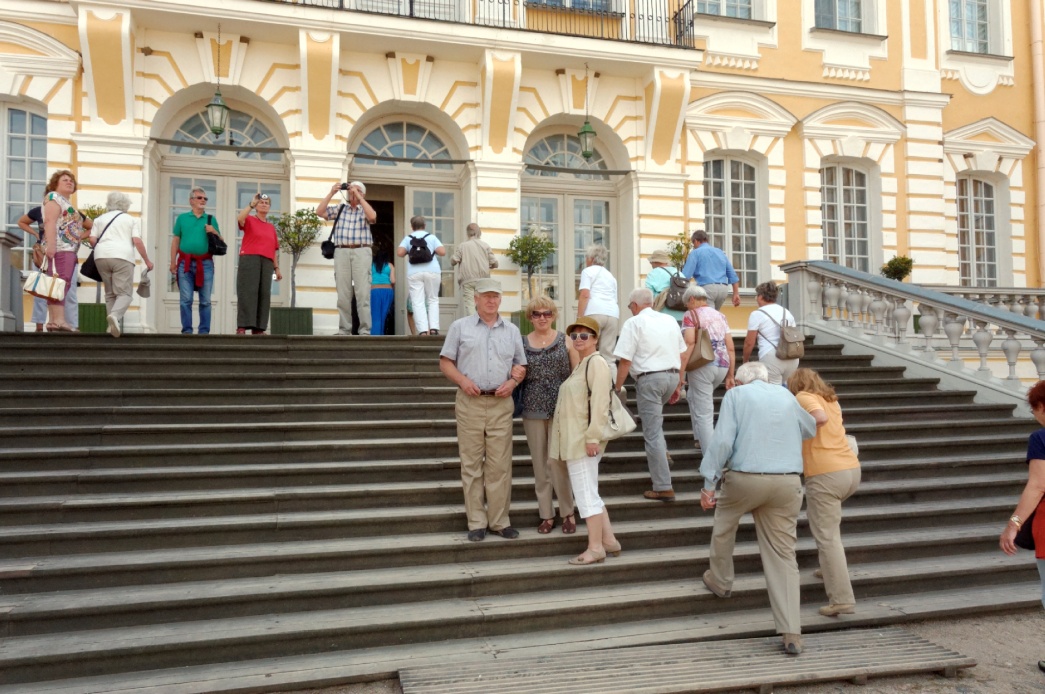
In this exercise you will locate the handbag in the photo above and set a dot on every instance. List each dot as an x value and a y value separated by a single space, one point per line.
619 422
327 247
45 286
703 353
853 445
89 269
38 255
792 343
1025 535
215 244
517 398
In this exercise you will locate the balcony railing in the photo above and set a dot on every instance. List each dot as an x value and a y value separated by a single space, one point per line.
657 22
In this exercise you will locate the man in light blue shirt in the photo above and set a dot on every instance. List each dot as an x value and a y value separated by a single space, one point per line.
759 433
712 270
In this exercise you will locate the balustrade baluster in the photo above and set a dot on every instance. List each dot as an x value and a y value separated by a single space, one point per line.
1037 356
865 308
927 325
1011 348
813 290
852 303
878 311
953 327
831 299
901 314
982 339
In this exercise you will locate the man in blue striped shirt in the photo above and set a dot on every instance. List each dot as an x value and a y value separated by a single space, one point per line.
712 269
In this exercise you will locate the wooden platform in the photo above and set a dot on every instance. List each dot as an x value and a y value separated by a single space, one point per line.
706 666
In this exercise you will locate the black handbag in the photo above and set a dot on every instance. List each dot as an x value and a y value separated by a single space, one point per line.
517 398
89 269
1025 535
215 244
327 247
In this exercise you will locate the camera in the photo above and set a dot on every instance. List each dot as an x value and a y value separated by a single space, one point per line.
262 196
344 186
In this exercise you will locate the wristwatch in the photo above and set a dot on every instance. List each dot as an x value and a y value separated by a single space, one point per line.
1016 520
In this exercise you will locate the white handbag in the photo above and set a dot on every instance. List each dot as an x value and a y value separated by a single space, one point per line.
620 422
44 285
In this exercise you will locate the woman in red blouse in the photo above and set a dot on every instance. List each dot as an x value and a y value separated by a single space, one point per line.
258 259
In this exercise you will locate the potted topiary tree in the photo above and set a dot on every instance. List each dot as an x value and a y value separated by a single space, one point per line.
297 232
529 250
92 316
678 250
898 268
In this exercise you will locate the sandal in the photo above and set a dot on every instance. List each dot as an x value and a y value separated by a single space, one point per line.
65 328
546 526
569 526
588 557
51 327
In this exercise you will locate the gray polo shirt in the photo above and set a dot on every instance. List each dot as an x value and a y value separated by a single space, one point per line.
482 353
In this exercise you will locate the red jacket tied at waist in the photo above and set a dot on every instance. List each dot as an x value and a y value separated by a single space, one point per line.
187 261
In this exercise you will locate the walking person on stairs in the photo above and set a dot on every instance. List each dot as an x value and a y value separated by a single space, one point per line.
423 274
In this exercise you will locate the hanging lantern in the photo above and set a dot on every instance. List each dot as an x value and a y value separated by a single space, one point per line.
217 114
587 138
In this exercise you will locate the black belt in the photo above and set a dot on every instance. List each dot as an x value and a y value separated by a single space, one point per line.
354 245
487 393
765 473
663 371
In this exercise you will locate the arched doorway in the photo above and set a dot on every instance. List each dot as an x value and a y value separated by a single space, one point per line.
409 168
567 197
231 168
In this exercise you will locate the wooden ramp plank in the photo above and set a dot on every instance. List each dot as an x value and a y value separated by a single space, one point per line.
758 663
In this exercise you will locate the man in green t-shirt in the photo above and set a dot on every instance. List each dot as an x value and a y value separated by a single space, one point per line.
191 261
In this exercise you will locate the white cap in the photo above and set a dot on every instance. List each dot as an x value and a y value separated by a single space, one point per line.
358 184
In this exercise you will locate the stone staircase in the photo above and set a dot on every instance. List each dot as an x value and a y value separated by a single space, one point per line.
184 514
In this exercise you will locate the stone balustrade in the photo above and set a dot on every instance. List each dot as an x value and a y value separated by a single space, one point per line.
998 322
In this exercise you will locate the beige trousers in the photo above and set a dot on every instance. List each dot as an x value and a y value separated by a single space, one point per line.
824 496
549 474
118 280
774 501
779 369
352 275
609 330
468 297
484 439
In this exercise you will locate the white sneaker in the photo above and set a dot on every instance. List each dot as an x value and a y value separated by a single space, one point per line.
114 326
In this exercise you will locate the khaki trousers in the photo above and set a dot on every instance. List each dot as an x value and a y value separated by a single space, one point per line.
824 496
468 297
609 330
549 474
717 294
774 501
118 280
484 439
352 275
779 369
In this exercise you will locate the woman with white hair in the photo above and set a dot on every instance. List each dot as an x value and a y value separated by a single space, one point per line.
115 236
703 380
598 299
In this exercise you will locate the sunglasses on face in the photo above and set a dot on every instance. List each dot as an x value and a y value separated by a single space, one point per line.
541 314
200 197
583 337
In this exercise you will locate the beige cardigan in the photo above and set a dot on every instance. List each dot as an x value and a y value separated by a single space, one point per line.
570 428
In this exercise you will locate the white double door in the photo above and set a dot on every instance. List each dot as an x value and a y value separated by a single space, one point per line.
574 223
226 196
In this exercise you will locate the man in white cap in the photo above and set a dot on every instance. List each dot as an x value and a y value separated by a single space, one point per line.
483 356
353 255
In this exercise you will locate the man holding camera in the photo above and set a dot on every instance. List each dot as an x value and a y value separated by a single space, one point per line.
352 253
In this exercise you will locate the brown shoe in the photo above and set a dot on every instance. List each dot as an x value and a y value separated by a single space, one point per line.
666 495
715 588
792 643
833 610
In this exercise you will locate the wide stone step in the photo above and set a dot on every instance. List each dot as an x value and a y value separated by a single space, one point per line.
383 662
130 605
87 507
419 430
121 649
276 526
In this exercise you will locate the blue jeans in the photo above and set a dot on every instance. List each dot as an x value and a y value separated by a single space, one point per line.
186 287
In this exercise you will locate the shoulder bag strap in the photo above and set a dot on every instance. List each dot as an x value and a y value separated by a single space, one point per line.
776 323
696 318
107 228
340 209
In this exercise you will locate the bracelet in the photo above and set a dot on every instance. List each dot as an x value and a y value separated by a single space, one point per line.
1016 520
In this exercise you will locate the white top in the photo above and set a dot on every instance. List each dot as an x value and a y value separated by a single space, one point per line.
116 243
433 243
651 341
603 287
768 331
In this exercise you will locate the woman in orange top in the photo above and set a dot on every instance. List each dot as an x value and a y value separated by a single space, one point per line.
832 474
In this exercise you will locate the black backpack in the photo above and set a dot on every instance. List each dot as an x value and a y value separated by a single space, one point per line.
419 251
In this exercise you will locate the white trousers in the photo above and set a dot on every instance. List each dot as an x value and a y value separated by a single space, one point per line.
424 297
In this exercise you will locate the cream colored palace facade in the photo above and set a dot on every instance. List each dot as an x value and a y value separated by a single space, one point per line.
852 130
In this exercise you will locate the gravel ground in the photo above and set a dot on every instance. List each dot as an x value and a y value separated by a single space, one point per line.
1007 649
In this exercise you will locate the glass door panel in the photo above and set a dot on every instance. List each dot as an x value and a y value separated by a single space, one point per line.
245 192
541 214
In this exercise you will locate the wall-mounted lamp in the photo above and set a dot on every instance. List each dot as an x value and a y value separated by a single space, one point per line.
217 110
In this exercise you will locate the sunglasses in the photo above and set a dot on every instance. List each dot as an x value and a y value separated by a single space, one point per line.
200 197
541 314
583 337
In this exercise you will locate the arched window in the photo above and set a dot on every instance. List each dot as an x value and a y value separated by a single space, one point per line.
404 140
977 225
845 209
243 130
564 151
731 214
23 158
